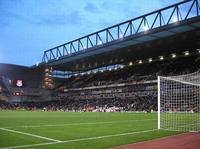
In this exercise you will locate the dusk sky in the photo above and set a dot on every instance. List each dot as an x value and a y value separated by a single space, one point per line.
29 27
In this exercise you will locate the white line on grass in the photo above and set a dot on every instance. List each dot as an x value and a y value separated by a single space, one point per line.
74 124
29 134
81 139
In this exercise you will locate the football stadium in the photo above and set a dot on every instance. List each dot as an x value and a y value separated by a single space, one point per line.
135 84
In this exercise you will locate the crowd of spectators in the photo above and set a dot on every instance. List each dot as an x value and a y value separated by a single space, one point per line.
145 104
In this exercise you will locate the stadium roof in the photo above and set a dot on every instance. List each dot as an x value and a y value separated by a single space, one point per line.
161 31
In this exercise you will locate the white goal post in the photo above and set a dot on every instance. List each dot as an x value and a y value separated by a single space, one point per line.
179 102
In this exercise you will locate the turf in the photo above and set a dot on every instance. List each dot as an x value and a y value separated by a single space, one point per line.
77 130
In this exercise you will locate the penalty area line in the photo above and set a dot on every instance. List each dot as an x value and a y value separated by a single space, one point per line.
81 139
29 134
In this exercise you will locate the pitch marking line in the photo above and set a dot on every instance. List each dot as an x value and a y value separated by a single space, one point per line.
29 134
74 124
81 139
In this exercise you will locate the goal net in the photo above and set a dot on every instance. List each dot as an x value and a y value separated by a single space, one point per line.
179 102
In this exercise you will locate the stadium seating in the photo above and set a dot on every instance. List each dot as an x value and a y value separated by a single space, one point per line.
133 88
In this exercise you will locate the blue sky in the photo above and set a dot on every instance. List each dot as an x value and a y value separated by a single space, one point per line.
29 27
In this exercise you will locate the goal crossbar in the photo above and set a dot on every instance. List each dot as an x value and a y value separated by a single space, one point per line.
180 81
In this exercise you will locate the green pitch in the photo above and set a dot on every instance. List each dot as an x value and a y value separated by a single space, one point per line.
46 130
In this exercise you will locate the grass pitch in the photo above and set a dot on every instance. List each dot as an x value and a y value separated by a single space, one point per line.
46 130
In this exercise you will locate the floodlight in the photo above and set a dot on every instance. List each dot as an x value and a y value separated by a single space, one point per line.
161 58
37 63
175 19
100 42
186 53
145 28
173 55
150 60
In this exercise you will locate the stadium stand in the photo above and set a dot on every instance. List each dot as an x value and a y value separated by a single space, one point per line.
131 88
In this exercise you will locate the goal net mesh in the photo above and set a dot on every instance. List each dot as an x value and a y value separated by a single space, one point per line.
179 102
